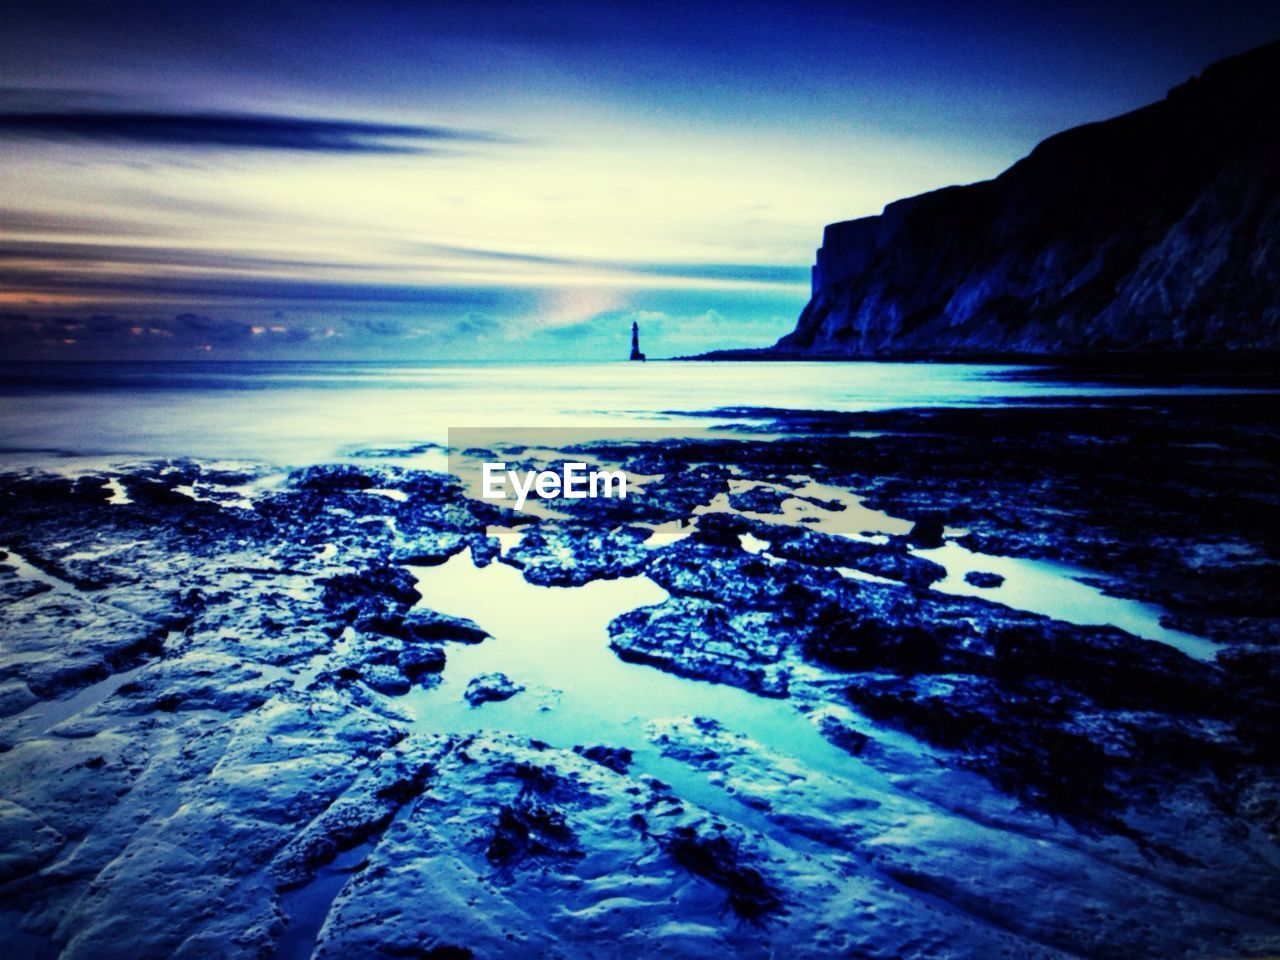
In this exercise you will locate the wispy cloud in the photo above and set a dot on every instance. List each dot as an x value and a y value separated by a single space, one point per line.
51 266
240 288
17 220
140 254
238 131
757 273
779 274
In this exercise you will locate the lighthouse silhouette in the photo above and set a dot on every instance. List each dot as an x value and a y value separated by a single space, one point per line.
635 342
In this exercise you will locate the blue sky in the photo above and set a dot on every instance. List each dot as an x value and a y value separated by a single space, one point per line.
453 180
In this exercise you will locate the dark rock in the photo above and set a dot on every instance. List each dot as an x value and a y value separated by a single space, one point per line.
156 492
617 759
385 679
15 696
718 859
423 625
892 560
1129 234
696 638
983 579
554 554
738 580
927 532
720 529
490 688
847 739
373 592
443 951
56 643
418 660
47 488
530 828
862 643
333 478
758 500
484 550
194 683
1019 736
432 553
1111 667
364 811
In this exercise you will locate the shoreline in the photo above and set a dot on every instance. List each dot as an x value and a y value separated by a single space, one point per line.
690 694
1189 364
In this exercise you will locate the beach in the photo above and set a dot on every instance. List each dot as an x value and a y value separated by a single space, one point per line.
883 660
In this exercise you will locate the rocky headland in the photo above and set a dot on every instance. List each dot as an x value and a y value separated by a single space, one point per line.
1155 232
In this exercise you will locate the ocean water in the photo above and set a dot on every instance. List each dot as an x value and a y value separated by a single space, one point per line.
293 414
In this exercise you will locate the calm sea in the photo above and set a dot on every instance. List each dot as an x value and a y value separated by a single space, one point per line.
297 413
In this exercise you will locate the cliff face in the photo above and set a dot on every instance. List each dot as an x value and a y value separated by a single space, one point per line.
1158 230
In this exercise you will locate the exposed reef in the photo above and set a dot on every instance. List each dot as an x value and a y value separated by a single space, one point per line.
240 727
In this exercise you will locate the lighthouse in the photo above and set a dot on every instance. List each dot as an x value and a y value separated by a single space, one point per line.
635 342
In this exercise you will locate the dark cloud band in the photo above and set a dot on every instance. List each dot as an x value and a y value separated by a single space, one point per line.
238 131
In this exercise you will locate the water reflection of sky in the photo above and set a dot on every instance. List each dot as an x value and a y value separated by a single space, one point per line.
307 412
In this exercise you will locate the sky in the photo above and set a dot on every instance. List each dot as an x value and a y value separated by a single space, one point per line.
440 180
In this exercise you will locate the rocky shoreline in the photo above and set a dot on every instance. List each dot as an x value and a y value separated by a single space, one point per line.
256 714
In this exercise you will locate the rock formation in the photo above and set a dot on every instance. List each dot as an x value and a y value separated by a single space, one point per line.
1155 231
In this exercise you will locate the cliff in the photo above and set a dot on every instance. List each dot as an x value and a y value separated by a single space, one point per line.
1155 231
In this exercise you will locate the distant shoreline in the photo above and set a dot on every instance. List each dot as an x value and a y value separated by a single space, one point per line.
1254 365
